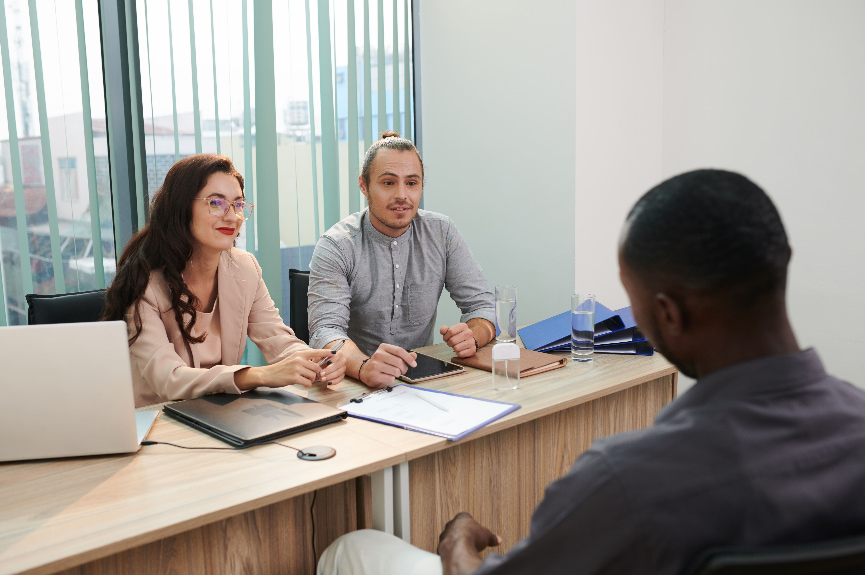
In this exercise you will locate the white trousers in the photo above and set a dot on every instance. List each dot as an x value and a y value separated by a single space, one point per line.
368 552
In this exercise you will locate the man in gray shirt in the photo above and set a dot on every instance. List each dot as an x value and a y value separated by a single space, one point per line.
377 275
765 449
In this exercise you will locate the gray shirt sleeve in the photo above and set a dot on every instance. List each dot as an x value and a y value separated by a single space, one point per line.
465 280
329 296
585 524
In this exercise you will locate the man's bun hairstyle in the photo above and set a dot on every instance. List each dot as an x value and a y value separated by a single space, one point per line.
392 141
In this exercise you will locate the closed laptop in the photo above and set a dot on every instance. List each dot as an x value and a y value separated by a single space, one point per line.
254 417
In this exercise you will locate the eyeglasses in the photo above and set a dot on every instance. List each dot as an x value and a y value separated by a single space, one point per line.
219 207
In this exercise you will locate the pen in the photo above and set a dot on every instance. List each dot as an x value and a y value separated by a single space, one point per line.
424 397
333 350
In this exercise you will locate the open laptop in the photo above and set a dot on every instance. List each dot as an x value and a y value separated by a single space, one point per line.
66 390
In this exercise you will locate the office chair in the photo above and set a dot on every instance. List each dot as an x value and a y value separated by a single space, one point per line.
65 307
298 318
837 557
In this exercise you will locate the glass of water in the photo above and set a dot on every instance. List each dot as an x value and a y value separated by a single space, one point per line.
506 313
582 327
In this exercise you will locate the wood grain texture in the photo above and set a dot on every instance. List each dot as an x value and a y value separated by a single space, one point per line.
538 396
59 514
273 539
166 510
500 478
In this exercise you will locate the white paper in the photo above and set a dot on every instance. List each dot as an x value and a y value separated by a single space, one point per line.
403 407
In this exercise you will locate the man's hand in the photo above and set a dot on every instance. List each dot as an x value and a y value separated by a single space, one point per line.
461 542
386 364
461 338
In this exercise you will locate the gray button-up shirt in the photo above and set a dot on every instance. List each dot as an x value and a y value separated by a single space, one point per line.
376 289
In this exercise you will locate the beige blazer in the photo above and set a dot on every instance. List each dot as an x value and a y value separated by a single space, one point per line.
163 369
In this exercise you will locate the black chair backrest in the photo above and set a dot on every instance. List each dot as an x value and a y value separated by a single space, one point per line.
65 307
298 318
838 557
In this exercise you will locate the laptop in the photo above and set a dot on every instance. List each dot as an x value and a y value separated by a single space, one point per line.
254 417
67 391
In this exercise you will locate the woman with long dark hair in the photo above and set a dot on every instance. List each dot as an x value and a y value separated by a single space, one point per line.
190 298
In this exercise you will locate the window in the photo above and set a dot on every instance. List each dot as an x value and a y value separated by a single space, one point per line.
54 123
67 179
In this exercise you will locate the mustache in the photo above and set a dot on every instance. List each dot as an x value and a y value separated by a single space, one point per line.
400 205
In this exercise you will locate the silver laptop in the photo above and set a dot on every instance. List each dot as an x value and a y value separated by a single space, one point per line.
66 390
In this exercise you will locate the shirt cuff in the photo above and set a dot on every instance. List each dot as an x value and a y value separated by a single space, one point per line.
483 313
324 336
224 382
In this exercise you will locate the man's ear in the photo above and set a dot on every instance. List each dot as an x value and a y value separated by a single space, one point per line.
362 185
670 315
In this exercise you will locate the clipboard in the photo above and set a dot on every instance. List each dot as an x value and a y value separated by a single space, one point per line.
448 415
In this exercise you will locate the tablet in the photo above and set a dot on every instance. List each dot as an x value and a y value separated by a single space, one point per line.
430 368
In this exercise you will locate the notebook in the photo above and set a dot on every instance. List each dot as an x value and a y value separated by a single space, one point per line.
429 411
67 391
531 362
254 417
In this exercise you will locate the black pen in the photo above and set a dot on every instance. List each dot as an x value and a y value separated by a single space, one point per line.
333 350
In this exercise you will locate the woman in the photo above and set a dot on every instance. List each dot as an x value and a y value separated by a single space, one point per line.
190 298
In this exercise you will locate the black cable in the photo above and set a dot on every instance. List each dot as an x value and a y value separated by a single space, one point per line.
312 517
228 448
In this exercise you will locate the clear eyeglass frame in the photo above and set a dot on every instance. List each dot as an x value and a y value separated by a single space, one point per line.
219 207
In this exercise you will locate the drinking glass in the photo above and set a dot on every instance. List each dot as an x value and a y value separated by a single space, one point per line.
506 313
582 327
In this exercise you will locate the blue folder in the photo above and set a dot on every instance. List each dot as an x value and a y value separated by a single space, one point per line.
620 336
555 332
626 317
616 331
627 348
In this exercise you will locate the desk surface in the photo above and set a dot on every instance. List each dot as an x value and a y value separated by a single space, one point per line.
538 395
57 514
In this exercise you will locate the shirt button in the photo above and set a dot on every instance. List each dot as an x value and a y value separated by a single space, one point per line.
397 265
396 305
394 242
397 286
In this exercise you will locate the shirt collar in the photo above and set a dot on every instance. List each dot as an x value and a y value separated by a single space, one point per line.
370 231
753 377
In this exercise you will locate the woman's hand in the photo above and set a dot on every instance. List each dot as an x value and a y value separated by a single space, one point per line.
334 370
300 368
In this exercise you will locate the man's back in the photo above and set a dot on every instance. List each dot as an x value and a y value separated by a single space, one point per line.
766 452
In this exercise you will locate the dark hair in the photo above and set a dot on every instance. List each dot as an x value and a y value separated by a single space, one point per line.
709 230
391 141
166 244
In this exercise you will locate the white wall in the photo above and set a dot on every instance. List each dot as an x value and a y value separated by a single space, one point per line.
619 76
770 88
497 90
775 89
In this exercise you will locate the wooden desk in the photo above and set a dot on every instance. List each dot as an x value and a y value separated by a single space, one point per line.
170 510
499 473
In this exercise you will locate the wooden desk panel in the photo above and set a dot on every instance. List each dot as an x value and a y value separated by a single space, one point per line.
501 478
182 506
499 473
171 510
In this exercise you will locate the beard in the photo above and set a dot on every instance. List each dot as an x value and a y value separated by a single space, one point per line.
387 219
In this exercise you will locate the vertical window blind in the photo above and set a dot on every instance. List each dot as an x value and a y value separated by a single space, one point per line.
293 91
56 226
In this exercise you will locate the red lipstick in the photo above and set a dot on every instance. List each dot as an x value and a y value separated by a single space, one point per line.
226 231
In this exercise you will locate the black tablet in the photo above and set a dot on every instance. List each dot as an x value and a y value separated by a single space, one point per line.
430 368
